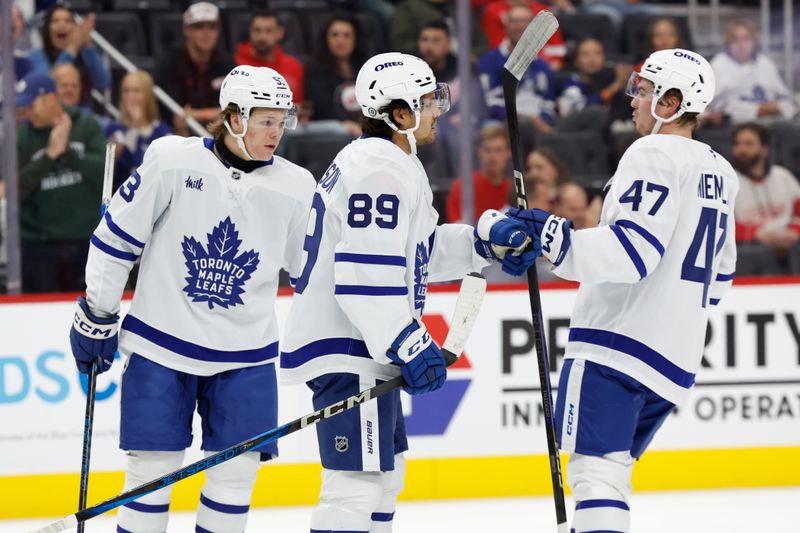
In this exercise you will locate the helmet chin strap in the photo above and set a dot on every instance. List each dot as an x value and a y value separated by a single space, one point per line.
660 121
409 133
240 136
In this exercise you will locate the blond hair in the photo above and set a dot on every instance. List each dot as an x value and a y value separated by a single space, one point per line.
150 108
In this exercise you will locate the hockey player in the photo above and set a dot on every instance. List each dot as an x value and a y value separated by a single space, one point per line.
212 222
372 248
663 253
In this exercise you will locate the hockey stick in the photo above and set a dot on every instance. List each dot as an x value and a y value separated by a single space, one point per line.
88 419
469 301
533 39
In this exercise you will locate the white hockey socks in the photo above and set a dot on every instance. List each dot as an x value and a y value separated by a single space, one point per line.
225 500
346 501
150 513
393 483
602 489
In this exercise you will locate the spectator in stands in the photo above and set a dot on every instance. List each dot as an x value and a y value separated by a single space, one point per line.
60 153
139 124
548 172
411 15
65 41
68 84
331 74
662 34
767 206
22 65
749 86
493 22
572 202
535 96
434 46
617 10
264 50
594 83
490 182
192 74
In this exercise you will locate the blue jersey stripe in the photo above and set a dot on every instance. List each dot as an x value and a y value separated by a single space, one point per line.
332 346
223 507
120 530
121 233
370 290
634 348
110 250
195 351
147 508
382 517
592 504
714 301
370 259
649 237
630 250
726 277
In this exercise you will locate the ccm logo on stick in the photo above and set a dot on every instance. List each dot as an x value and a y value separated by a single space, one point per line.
387 65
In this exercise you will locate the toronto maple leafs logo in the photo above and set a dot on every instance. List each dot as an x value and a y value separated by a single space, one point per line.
216 274
421 276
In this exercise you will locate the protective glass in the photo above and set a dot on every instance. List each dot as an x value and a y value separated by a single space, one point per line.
282 119
637 89
440 100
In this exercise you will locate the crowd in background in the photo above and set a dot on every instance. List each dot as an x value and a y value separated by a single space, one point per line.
570 102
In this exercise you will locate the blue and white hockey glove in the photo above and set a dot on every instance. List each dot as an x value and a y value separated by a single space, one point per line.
496 235
551 231
92 337
420 360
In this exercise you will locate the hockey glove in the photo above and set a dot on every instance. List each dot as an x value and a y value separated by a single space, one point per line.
551 231
497 234
420 360
92 337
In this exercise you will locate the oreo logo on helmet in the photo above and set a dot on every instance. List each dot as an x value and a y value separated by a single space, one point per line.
678 53
382 66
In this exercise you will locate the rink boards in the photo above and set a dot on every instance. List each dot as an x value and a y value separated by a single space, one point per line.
481 435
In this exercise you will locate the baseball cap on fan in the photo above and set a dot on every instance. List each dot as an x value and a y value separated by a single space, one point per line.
32 86
200 12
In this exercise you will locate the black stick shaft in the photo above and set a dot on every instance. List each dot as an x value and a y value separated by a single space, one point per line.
510 84
88 422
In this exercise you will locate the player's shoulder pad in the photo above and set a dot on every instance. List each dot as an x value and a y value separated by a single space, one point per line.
296 171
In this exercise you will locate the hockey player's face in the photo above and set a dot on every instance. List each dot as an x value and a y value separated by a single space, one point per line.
264 131
426 132
641 102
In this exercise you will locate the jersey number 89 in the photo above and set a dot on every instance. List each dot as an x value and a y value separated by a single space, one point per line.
359 213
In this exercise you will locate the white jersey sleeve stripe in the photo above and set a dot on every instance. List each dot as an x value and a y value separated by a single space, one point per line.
110 250
629 346
196 351
630 250
370 290
121 233
649 237
370 259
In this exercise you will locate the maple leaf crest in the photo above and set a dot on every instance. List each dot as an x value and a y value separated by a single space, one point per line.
216 274
421 275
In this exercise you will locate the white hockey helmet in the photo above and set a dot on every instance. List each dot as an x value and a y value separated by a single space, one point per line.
397 76
679 69
253 87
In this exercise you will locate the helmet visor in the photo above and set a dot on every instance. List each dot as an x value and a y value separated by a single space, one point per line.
440 99
284 119
639 87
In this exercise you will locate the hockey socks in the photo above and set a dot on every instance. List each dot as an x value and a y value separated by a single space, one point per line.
225 500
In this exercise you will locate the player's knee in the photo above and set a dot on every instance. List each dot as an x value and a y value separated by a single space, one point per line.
145 465
600 477
233 480
357 492
394 480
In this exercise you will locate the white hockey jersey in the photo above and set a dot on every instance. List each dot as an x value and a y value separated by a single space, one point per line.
372 248
212 240
742 87
664 251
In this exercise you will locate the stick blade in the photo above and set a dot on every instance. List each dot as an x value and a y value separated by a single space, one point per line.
470 298
61 525
538 32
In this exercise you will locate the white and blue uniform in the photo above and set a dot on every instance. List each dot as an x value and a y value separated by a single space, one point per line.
665 250
372 248
201 333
